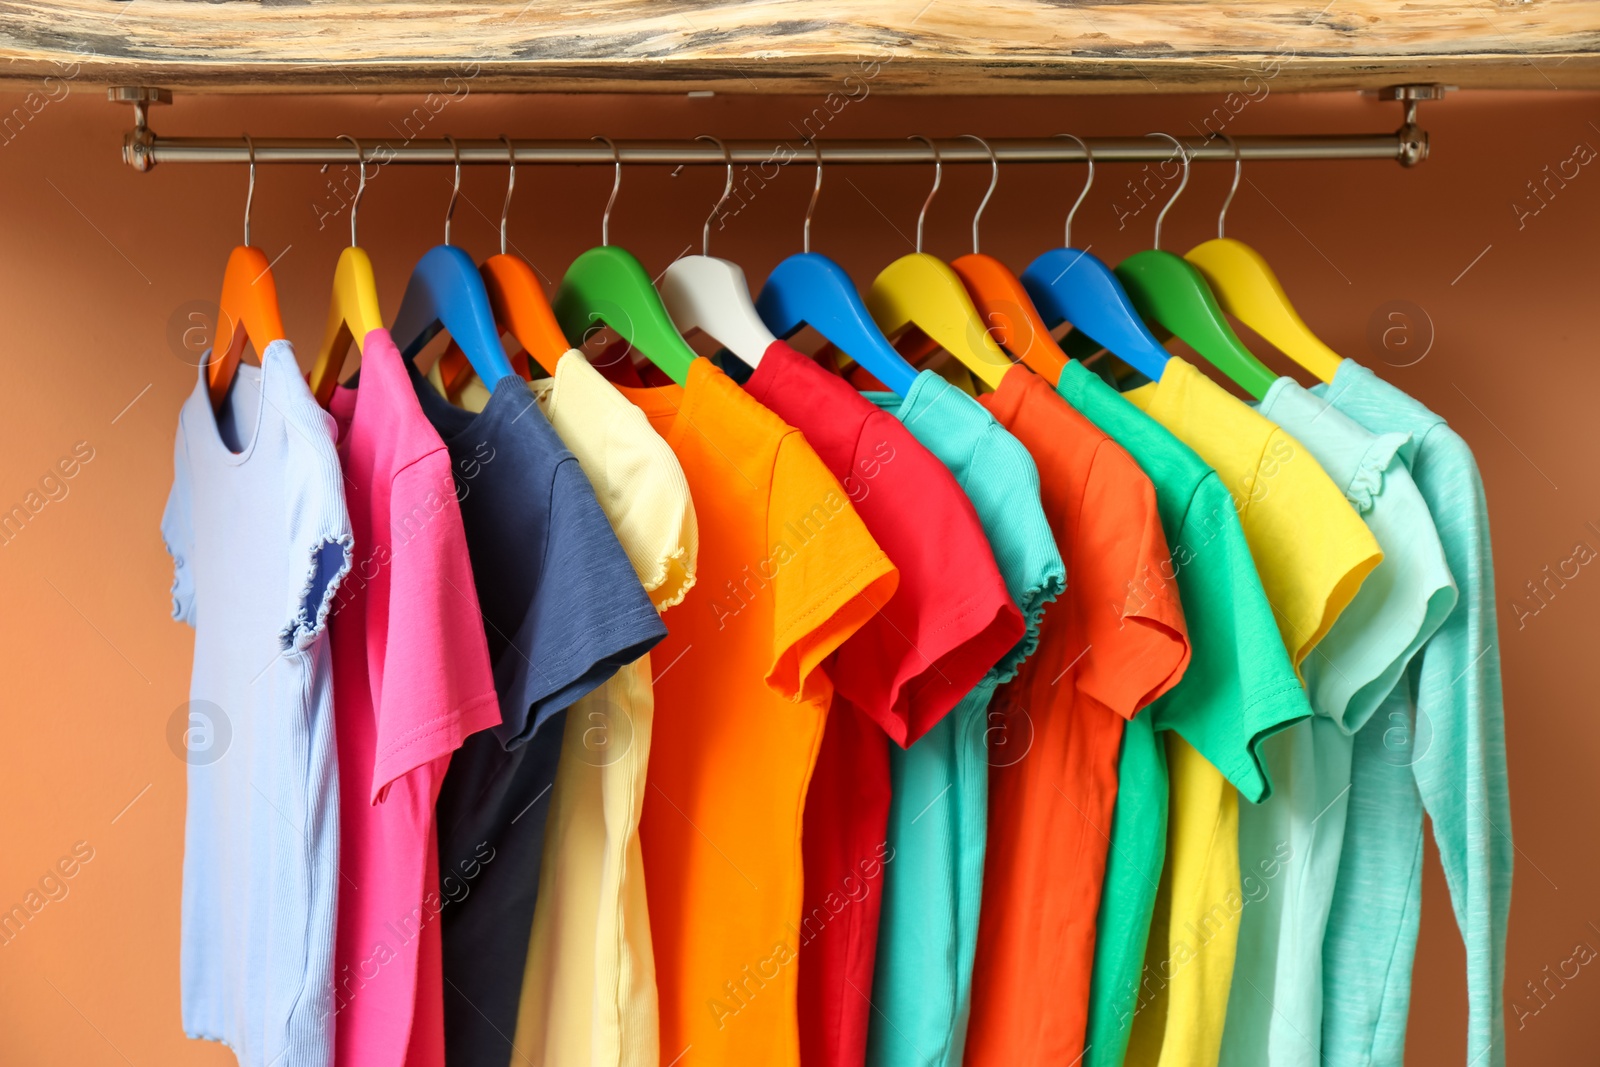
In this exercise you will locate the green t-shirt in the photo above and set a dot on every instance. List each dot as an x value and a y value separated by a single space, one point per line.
939 807
1239 686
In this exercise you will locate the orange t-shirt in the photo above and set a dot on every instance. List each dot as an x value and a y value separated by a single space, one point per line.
787 572
1111 644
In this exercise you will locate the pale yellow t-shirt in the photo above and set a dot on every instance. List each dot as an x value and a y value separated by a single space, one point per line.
589 990
1312 552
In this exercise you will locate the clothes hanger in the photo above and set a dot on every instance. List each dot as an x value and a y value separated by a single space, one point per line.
809 289
248 310
445 292
519 304
710 294
1003 301
353 312
1168 290
607 285
1071 285
1248 290
922 291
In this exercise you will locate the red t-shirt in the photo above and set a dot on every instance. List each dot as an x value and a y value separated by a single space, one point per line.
946 625
1110 645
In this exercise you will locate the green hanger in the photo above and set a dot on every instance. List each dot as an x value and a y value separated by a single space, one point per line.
1168 291
608 285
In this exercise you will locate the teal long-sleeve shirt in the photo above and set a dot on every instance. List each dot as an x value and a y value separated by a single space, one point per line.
1437 745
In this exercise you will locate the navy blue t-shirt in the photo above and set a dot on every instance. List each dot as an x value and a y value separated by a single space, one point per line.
562 610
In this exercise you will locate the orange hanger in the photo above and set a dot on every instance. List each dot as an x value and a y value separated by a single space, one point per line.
248 310
520 308
998 295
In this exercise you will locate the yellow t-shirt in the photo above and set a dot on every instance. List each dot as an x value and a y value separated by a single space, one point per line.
589 991
1312 552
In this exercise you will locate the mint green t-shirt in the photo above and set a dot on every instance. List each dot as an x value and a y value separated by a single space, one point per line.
1437 744
1239 687
938 813
1275 1005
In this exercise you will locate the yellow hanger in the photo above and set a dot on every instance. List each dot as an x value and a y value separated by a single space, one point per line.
354 310
921 290
1248 290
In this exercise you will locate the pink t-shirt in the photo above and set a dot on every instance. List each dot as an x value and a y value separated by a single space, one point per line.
405 697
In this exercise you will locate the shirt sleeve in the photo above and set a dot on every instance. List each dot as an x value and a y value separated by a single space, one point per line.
1401 604
435 687
951 618
1462 775
319 527
829 576
1312 548
589 615
1239 687
1132 615
177 531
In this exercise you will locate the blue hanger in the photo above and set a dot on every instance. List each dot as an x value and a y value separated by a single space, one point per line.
808 288
1070 285
447 292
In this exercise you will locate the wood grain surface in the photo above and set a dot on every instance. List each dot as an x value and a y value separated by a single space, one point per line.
915 46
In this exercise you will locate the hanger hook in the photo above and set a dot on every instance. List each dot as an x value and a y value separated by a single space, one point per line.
816 191
1088 183
361 186
250 193
727 189
938 174
1238 169
994 180
511 184
1183 154
455 189
616 186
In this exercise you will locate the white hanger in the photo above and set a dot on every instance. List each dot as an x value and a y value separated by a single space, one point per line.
705 293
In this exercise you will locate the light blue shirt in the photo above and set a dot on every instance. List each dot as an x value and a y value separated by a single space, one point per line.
257 529
1275 1005
1443 753
939 808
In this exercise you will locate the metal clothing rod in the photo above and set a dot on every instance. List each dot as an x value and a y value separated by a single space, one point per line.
143 149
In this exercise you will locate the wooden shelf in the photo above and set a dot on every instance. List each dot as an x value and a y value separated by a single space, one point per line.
908 46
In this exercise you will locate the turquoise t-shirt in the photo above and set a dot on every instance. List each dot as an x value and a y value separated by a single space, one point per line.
1437 744
1239 686
1275 1005
938 814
